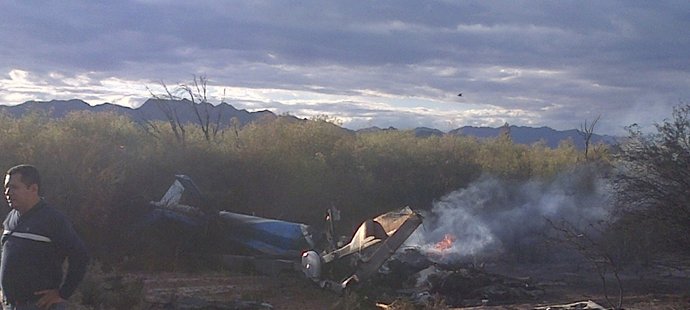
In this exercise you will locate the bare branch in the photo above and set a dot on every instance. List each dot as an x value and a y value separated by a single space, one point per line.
594 252
586 131
164 106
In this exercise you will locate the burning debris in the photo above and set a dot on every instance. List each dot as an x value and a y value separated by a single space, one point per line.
446 243
488 219
439 262
418 273
413 275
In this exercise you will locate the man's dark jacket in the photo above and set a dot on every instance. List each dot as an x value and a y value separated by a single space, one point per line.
34 247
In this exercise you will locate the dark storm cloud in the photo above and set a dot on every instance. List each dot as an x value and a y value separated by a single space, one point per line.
543 63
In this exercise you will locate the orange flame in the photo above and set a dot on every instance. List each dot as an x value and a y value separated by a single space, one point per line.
446 243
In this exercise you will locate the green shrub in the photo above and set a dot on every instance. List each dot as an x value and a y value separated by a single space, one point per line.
102 169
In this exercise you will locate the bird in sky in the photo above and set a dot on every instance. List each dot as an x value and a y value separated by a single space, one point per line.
460 95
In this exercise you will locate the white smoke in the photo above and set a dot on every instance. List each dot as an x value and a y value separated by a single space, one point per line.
492 216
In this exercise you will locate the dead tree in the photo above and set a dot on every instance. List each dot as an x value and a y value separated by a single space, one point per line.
197 93
199 103
586 131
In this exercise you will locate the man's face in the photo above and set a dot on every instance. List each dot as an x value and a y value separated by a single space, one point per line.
19 196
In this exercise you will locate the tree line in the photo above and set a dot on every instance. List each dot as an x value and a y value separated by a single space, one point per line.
102 169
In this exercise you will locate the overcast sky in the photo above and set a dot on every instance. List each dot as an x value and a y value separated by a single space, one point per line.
367 63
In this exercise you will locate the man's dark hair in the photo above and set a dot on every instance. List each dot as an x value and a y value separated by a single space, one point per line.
29 174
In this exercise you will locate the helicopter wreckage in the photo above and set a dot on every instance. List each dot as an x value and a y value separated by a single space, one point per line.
248 238
373 254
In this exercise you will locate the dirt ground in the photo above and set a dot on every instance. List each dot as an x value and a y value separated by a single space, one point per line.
280 292
662 286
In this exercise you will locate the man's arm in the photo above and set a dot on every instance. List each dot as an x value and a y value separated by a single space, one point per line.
77 260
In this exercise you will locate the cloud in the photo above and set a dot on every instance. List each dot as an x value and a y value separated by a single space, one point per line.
92 88
527 63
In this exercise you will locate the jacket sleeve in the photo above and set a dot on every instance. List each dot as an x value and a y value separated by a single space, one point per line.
77 256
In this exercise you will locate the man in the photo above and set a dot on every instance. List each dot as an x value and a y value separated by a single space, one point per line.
35 243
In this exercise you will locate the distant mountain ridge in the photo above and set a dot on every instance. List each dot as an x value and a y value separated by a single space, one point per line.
153 109
518 134
150 110
530 135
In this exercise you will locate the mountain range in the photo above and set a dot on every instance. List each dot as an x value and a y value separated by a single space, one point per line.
183 110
